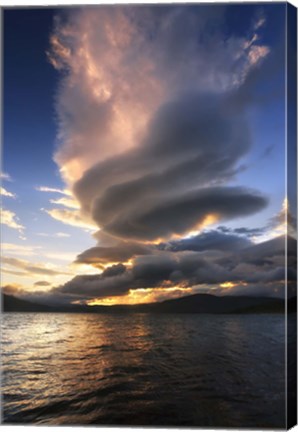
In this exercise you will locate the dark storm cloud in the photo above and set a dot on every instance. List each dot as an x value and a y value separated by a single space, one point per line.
89 286
158 270
274 289
179 214
222 239
187 263
252 270
121 252
209 240
246 232
42 283
50 297
155 269
114 270
264 262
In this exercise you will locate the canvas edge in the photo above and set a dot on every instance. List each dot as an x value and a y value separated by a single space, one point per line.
291 193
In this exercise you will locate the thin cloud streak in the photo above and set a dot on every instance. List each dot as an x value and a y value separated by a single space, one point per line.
70 217
53 190
66 202
6 193
5 176
10 219
31 268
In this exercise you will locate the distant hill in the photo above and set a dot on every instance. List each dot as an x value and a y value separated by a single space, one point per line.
14 304
206 303
197 303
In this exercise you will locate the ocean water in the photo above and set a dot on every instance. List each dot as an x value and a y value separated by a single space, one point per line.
143 369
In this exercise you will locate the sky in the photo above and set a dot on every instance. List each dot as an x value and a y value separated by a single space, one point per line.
143 153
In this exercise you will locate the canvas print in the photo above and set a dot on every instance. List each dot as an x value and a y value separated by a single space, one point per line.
148 182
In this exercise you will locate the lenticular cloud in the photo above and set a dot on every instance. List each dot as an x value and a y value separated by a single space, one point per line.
150 137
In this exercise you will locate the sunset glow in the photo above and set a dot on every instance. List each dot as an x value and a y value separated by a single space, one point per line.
149 215
162 177
142 296
227 285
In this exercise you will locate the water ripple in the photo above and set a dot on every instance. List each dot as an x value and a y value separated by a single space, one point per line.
191 370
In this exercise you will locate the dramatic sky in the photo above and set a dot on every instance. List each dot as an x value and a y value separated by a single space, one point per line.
143 152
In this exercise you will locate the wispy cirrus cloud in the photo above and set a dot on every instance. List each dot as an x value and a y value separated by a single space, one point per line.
10 219
69 214
53 190
70 217
14 272
31 268
6 193
66 202
18 249
61 235
58 234
5 176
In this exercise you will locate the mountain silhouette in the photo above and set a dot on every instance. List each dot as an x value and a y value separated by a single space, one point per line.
197 303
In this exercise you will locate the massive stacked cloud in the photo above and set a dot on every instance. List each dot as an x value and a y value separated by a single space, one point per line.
172 181
153 131
255 269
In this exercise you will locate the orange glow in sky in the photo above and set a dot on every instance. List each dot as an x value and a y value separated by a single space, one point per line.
149 295
227 285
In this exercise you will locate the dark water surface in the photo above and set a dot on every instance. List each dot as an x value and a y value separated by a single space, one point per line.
143 369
